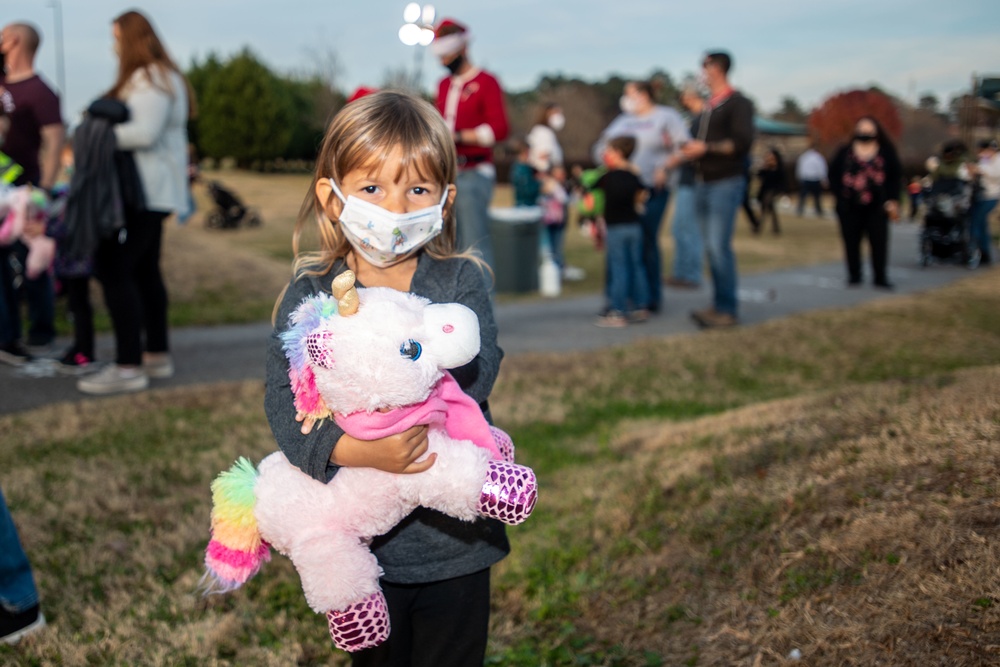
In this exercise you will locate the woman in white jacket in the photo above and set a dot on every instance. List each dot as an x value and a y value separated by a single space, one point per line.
128 266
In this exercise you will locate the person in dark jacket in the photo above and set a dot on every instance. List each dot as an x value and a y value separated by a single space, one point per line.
719 153
865 177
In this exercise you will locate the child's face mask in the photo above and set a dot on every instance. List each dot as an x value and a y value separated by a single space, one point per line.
383 237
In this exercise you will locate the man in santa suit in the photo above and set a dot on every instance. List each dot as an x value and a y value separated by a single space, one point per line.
472 103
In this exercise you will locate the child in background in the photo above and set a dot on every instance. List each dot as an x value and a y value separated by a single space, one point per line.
386 164
523 177
590 202
624 195
553 202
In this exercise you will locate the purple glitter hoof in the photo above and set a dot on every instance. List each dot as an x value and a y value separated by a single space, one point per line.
503 443
509 493
362 625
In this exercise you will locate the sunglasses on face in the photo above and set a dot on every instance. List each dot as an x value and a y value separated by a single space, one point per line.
865 138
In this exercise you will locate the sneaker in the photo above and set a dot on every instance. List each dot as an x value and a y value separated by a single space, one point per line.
700 316
717 320
42 349
14 354
75 363
612 320
681 283
158 365
14 626
637 316
114 379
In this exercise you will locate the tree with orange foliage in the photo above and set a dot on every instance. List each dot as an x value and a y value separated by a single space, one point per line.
832 123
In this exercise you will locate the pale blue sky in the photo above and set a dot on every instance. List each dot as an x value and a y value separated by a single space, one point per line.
803 48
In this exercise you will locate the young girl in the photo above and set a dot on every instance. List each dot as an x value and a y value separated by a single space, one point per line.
387 160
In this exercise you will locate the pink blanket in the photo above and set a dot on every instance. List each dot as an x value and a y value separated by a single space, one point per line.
446 406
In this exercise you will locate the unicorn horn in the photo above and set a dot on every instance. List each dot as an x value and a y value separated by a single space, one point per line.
346 294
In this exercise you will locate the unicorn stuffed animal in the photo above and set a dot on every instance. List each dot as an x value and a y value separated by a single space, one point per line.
374 360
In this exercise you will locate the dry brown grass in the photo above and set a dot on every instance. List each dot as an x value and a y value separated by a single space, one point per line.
880 544
247 264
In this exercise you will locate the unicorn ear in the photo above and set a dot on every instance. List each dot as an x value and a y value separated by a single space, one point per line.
303 323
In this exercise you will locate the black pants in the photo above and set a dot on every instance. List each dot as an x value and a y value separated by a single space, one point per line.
748 209
77 291
767 207
856 222
133 286
443 624
812 189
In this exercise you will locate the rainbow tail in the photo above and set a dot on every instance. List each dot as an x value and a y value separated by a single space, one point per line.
236 551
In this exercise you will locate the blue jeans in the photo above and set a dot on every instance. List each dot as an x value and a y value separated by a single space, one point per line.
652 219
552 236
626 272
472 206
716 203
981 225
688 246
17 585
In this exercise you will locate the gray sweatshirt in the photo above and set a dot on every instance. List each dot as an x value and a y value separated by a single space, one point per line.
427 545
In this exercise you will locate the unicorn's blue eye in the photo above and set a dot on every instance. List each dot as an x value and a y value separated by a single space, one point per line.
411 349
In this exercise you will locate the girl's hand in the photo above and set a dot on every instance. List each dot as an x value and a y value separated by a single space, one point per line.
398 453
307 422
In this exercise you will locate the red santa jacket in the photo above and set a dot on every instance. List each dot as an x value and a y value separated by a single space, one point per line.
474 102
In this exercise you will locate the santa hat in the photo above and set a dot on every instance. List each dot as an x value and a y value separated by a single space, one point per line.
450 37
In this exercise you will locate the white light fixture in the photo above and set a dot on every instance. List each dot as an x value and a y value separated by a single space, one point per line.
417 30
427 15
410 34
412 12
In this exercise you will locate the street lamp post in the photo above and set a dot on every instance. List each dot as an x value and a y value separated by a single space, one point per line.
60 61
417 30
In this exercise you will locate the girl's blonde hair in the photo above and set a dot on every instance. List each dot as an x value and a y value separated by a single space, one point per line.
361 136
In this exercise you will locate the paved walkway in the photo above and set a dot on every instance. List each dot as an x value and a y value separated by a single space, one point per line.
215 354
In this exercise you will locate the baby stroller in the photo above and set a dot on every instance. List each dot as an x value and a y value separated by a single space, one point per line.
229 211
945 236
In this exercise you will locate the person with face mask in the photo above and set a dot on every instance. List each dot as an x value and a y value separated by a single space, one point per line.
866 179
382 205
471 101
719 155
544 151
659 131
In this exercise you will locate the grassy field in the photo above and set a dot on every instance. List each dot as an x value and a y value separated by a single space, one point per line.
826 484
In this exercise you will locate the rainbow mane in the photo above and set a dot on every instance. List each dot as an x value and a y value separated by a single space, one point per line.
236 551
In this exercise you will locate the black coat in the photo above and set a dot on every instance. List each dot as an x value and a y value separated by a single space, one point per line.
105 182
893 175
